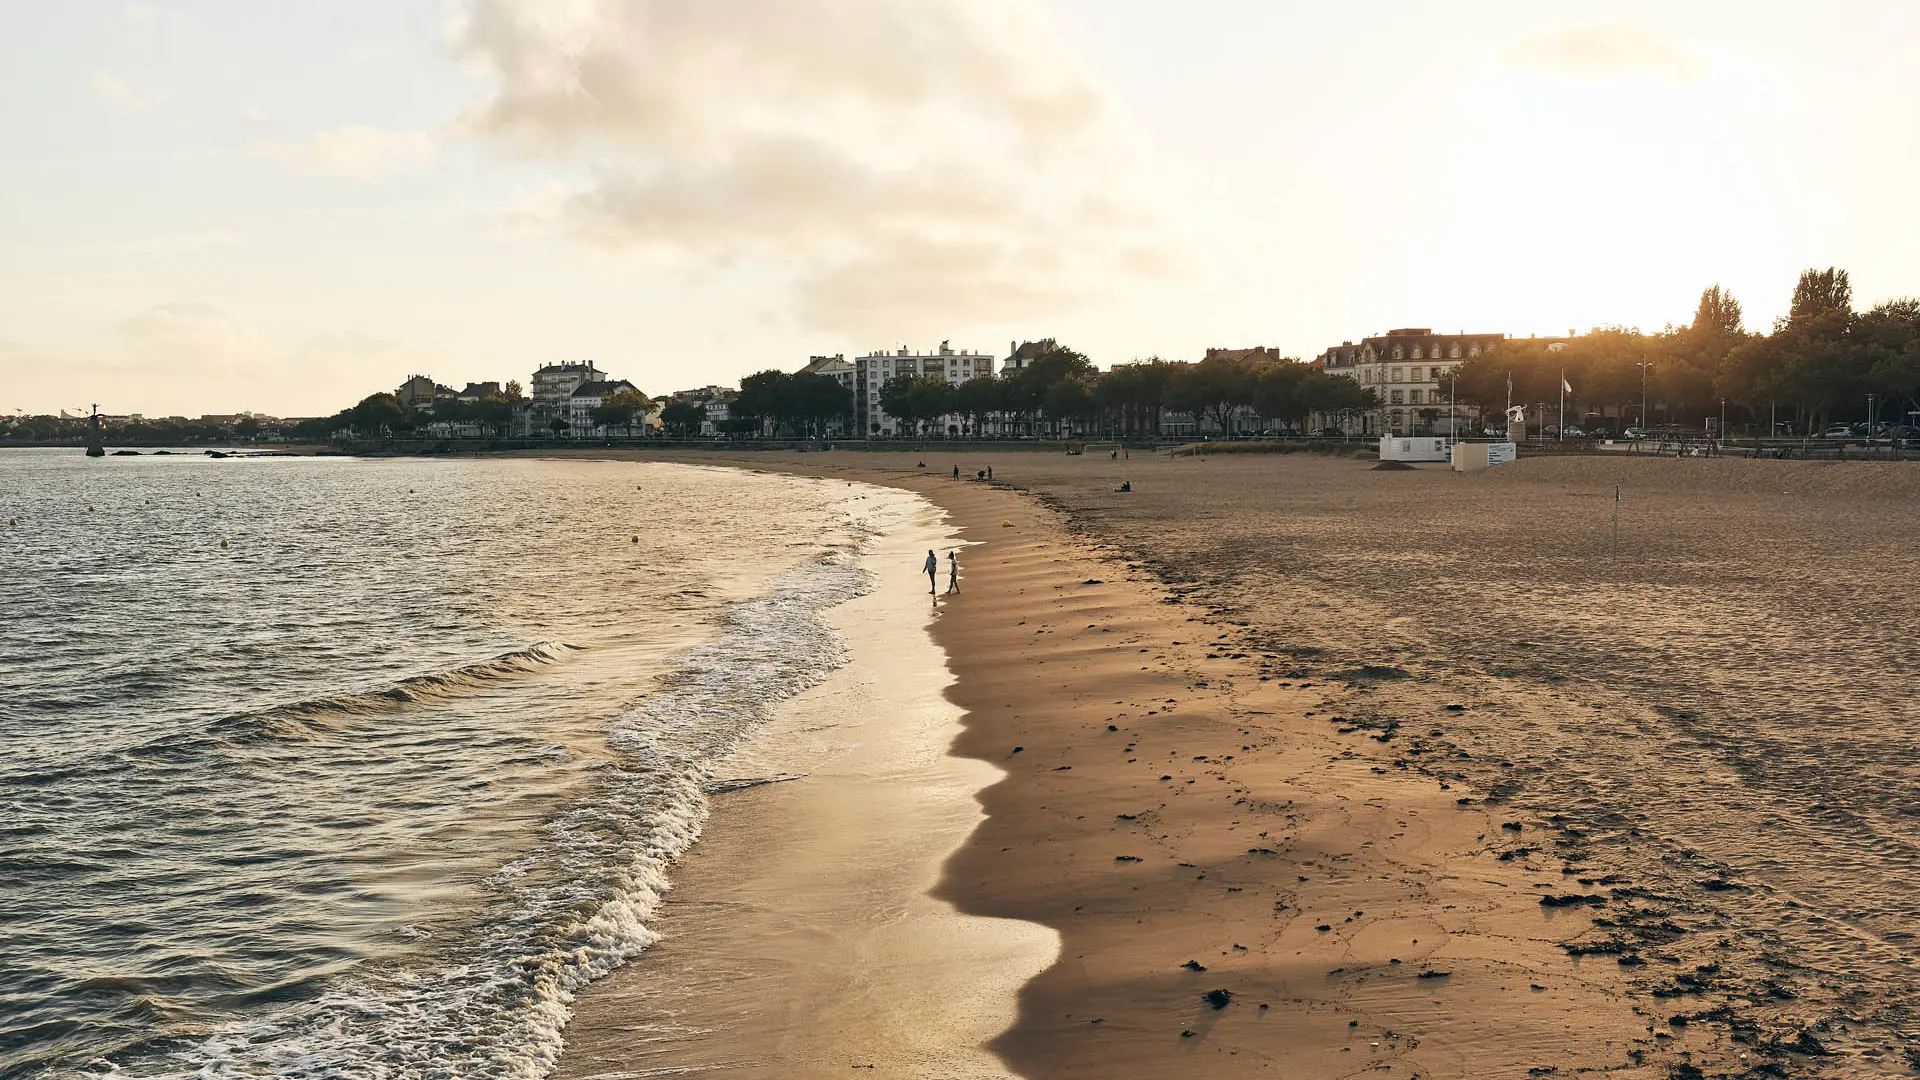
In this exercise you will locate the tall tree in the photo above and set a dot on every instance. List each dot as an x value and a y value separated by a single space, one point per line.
978 398
683 417
1068 400
1276 393
620 407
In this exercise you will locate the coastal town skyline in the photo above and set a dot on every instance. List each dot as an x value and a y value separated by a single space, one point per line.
1225 180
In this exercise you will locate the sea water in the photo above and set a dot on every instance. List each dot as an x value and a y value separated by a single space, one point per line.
328 766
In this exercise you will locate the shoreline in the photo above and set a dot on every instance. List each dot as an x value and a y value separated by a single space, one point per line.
1259 813
801 936
1235 858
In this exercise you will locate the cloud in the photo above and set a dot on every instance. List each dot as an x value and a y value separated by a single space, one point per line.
253 116
1604 51
114 93
190 337
360 152
895 162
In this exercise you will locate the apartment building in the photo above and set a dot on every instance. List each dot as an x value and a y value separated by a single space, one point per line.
872 371
1408 369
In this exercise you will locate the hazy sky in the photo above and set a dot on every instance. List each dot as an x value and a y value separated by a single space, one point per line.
282 207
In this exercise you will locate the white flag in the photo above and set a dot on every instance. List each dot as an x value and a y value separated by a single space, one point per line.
1565 386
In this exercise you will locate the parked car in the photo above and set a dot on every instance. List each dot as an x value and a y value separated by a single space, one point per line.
1837 431
1329 433
1634 434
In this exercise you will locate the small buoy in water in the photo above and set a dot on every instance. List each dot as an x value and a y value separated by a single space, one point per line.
13 521
89 509
223 541
636 539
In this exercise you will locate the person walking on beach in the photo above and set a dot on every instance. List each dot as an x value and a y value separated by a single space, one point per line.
953 572
932 567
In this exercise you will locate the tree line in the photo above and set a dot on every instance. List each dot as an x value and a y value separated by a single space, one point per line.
1817 366
1059 390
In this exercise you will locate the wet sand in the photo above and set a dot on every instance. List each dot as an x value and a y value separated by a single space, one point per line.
800 938
1409 760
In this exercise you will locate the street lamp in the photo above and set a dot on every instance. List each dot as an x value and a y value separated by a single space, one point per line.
1644 365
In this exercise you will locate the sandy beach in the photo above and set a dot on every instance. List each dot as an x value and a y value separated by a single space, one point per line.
1319 771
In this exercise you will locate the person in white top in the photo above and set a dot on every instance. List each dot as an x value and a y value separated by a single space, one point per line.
953 572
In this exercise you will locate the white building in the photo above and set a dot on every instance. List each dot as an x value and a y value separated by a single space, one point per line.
872 371
1410 371
553 384
586 397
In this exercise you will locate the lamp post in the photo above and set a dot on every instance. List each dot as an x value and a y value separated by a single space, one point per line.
1644 421
1721 439
1453 393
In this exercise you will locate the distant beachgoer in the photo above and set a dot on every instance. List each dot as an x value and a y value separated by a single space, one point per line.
932 567
1125 485
956 472
1113 455
953 572
989 472
980 475
922 465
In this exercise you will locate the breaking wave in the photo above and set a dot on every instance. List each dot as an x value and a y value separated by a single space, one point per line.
576 906
320 714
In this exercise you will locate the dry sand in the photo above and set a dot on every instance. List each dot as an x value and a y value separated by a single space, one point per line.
1363 723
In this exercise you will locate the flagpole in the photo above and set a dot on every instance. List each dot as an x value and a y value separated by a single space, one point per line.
1563 404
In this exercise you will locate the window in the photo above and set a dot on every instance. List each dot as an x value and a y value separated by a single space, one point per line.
1416 352
1396 352
1433 373
1399 396
1454 353
1393 375
1413 397
1473 350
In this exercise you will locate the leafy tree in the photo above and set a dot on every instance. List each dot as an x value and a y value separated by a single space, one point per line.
450 410
620 407
1027 388
494 411
917 400
1138 392
819 400
979 397
1068 400
558 425
766 399
1276 392
683 417
376 415
1216 387
1333 395
513 393
1886 342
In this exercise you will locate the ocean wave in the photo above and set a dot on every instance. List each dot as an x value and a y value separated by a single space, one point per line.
321 714
574 908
